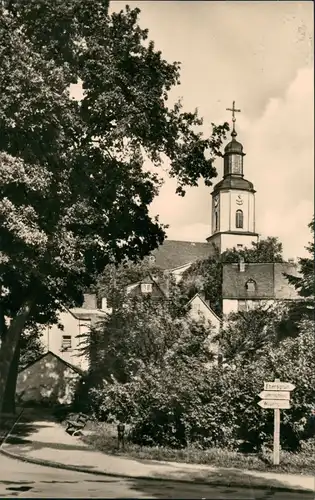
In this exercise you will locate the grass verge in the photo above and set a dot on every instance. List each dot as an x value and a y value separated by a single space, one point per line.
103 437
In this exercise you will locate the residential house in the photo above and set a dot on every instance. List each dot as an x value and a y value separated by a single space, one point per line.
200 309
49 379
76 323
147 286
245 285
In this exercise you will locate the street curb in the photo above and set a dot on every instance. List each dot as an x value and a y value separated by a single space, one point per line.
57 465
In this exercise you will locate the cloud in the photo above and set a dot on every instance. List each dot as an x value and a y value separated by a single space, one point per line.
279 161
280 147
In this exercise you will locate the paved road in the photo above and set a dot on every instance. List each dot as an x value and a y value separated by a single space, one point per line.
19 479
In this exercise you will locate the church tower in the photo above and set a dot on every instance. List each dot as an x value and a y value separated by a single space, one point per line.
233 200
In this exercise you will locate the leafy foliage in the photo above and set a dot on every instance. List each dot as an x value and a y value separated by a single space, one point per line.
115 278
247 335
31 347
305 284
264 250
183 399
140 332
184 402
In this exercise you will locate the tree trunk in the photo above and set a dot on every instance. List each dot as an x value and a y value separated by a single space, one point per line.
10 390
9 346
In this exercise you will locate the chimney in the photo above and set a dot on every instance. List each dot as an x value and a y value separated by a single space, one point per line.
104 304
89 301
241 264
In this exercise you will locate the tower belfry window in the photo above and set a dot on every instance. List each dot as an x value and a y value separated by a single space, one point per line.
239 219
216 221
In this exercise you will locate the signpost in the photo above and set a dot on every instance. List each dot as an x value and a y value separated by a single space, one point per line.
278 386
276 396
282 404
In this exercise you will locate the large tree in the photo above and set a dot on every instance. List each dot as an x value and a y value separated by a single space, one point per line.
206 275
74 194
305 283
116 278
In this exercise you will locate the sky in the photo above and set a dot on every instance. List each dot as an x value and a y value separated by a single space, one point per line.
259 54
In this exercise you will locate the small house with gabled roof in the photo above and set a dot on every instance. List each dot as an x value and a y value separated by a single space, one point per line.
49 379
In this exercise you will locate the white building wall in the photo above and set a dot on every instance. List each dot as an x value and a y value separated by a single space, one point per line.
233 240
224 211
231 305
52 338
247 208
199 310
228 205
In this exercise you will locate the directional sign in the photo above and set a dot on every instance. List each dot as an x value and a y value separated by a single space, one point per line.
275 395
278 386
275 404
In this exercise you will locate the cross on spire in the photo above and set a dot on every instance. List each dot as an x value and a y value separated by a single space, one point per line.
234 110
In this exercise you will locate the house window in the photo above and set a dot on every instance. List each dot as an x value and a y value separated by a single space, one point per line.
242 305
146 287
239 219
66 342
216 221
250 286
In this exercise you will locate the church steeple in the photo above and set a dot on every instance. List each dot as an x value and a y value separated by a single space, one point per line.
233 200
233 152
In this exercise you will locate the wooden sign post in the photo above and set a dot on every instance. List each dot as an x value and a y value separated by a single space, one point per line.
276 396
276 437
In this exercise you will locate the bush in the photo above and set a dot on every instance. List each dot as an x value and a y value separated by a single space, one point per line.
184 403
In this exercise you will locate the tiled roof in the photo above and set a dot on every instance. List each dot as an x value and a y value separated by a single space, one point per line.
231 182
86 314
54 355
174 253
282 289
157 288
269 277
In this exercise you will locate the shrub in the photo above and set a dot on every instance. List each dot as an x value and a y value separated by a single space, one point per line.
185 403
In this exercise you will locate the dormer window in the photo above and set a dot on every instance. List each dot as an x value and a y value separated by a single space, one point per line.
239 219
146 287
250 285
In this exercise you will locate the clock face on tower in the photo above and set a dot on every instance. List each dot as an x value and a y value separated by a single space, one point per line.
239 200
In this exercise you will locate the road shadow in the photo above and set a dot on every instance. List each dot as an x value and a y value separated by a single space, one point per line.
221 485
15 439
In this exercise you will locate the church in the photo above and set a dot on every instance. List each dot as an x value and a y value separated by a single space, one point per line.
232 214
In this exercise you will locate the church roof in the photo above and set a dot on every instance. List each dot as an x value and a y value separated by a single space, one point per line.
231 182
269 278
234 147
173 253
